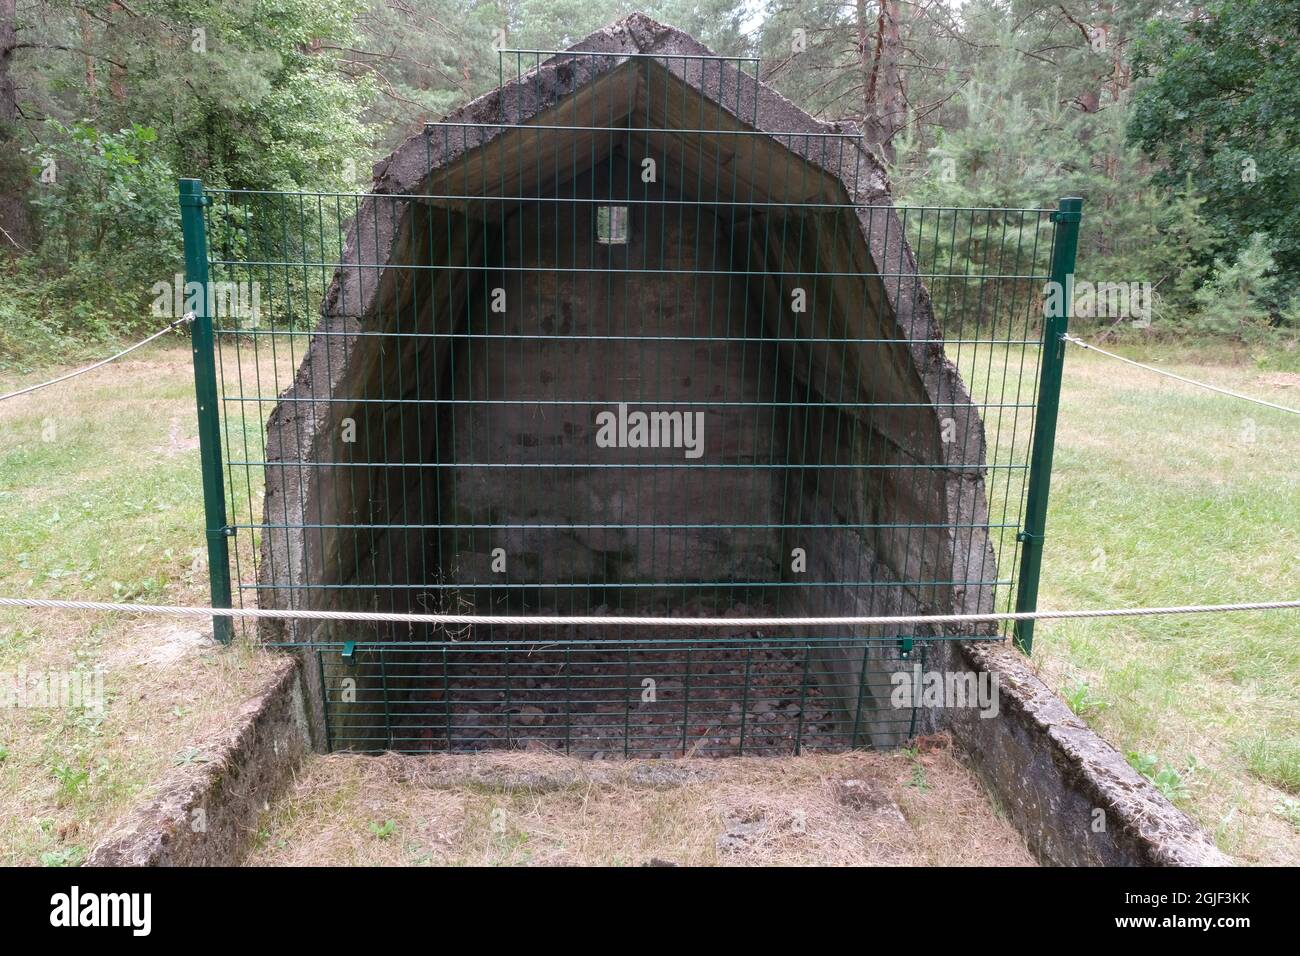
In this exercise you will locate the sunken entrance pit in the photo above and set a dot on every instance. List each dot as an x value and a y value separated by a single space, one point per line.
630 335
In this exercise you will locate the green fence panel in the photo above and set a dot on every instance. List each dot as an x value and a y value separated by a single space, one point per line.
395 414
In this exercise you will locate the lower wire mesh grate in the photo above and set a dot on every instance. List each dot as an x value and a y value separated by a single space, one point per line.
610 698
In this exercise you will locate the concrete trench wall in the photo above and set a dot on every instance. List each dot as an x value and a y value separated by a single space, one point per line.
205 812
1072 795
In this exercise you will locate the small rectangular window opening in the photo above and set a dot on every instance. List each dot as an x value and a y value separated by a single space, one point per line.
611 225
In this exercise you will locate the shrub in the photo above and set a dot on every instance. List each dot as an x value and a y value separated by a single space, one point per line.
1237 297
109 222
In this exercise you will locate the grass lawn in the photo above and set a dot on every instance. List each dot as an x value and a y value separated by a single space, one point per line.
1163 494
99 486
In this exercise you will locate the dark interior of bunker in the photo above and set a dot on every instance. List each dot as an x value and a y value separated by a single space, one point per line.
634 356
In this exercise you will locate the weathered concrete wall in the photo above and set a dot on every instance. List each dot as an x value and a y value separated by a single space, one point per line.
205 812
611 324
1073 796
1047 771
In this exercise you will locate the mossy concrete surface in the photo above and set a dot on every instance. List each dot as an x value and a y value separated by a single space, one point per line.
204 812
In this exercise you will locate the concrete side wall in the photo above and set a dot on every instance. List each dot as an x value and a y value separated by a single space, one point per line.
205 812
1071 794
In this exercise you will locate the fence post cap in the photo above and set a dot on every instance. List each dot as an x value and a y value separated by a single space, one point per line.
191 192
1068 209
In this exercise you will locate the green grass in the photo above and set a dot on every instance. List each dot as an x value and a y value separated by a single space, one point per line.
96 501
1275 761
1164 494
100 492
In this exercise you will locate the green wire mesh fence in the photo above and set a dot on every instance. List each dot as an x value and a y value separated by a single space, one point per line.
649 364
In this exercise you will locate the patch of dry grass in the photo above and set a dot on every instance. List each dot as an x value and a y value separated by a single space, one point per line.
522 808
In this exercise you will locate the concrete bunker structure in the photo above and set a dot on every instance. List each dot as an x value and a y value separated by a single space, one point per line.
514 275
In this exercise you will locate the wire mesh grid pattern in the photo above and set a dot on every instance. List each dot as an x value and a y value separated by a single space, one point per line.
637 362
597 699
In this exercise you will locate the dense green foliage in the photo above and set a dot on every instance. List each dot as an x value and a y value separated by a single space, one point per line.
1179 124
1222 110
241 93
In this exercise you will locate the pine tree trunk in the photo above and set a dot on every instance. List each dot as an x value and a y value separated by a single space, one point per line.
880 48
15 215
87 41
116 72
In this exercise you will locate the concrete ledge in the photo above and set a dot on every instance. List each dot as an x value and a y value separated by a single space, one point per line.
204 813
1051 773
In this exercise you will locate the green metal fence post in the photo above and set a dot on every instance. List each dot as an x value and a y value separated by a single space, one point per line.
195 237
1056 321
